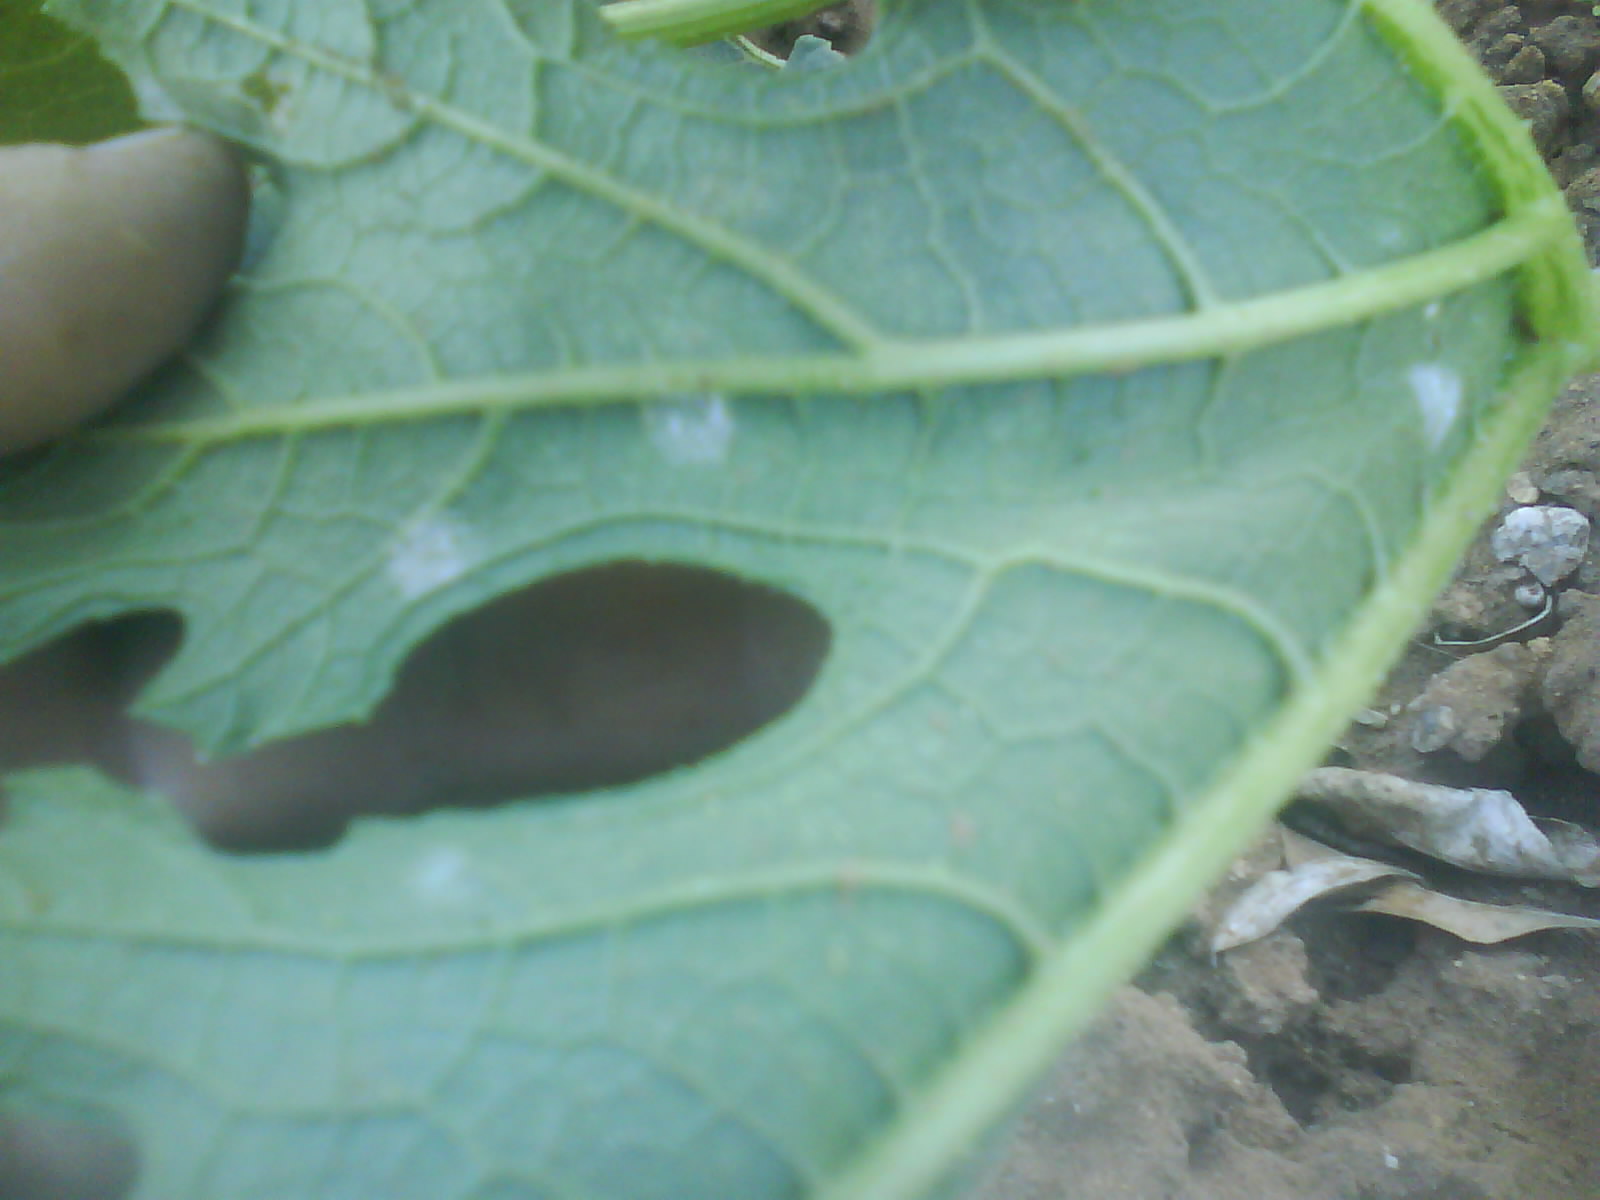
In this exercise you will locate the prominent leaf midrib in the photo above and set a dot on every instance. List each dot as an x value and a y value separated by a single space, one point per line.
857 878
912 365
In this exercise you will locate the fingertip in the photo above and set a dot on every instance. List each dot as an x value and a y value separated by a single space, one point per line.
112 255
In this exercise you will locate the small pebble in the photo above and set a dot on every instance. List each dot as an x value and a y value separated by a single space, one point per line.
1520 489
1434 729
1530 594
1546 539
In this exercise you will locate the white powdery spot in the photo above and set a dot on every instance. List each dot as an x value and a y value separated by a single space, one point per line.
1391 235
427 555
1438 390
444 877
690 429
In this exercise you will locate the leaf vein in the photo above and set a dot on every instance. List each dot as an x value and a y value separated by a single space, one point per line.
820 304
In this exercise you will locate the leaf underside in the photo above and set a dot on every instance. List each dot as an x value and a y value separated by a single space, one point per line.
1085 627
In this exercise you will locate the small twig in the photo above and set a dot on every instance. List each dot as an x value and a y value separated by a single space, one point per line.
1549 607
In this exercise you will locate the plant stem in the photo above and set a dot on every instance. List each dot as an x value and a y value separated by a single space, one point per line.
686 22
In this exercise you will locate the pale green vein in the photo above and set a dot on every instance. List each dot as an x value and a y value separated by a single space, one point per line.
857 877
1289 80
1241 606
774 1138
1202 296
821 304
907 365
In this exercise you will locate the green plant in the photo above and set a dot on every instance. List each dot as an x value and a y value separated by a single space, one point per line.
1119 380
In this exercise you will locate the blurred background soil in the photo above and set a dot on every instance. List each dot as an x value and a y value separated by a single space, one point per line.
1360 1057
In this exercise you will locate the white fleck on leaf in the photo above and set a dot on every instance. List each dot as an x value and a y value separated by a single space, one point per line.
444 875
1438 391
427 555
691 430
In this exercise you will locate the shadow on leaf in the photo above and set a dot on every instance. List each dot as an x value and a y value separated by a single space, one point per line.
62 1158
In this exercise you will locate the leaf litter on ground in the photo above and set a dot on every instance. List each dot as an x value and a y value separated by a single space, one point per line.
1479 829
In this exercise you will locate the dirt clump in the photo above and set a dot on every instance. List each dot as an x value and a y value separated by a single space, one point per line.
1546 58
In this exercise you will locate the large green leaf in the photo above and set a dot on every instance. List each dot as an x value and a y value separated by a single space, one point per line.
1116 376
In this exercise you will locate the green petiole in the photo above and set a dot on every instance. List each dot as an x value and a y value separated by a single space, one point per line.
687 22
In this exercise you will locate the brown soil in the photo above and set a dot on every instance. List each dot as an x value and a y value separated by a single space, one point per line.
1357 1057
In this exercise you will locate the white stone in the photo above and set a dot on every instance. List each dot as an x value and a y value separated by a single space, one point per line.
1547 540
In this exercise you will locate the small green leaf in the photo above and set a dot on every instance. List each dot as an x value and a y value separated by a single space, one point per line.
1118 386
54 86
